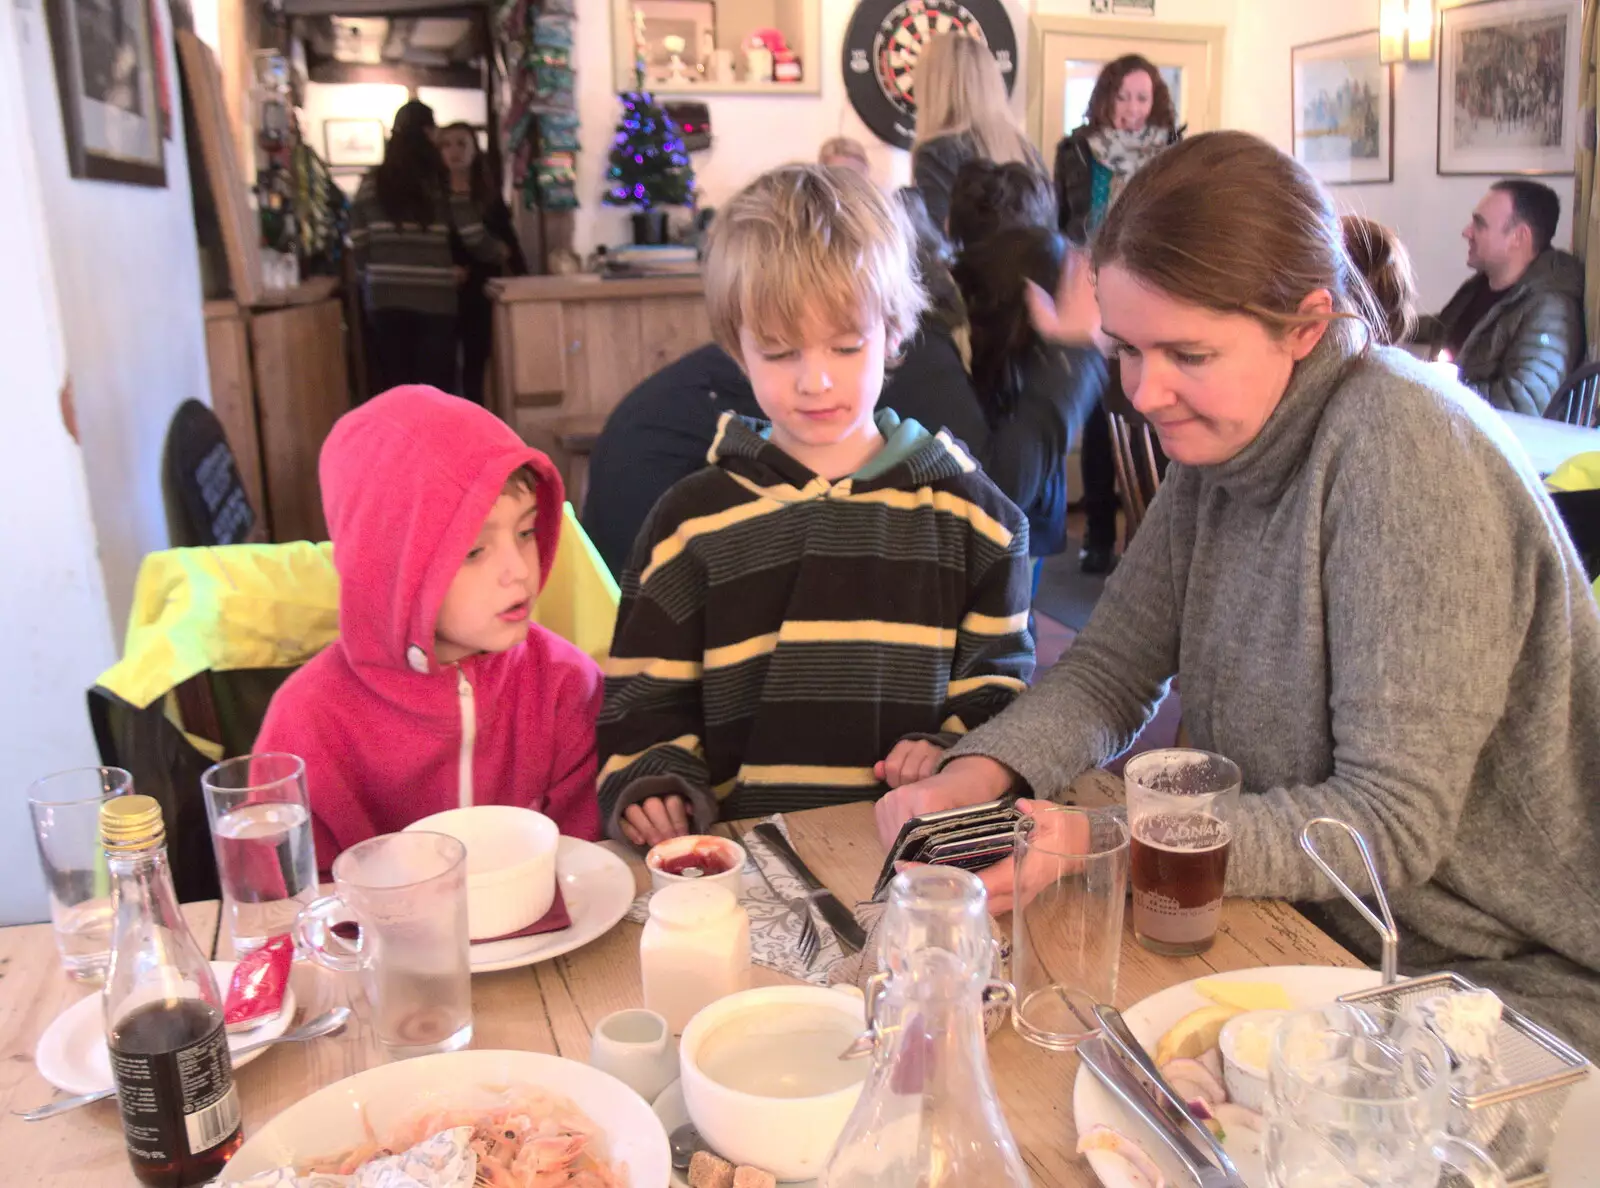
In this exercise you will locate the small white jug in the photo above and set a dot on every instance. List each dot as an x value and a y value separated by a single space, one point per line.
636 1048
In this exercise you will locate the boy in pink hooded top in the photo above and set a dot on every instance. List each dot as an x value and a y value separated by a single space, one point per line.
439 692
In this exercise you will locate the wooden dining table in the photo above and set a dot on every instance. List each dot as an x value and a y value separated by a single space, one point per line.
553 1006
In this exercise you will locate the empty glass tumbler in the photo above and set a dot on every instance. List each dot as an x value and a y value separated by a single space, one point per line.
66 828
1066 930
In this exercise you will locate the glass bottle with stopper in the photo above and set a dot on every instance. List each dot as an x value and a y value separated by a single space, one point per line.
929 1116
163 1013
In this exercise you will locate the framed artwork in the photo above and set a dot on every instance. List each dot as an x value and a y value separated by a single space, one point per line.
112 88
1342 99
1508 87
351 143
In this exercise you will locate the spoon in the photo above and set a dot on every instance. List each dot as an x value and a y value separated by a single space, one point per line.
684 1142
326 1023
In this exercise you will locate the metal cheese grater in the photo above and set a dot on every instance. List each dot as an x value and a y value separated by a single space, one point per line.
1516 1122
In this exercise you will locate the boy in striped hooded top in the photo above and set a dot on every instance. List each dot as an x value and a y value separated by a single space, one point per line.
841 594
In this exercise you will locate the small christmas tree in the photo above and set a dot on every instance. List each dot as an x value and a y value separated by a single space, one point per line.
649 166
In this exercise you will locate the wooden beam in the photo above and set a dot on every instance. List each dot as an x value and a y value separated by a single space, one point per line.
464 77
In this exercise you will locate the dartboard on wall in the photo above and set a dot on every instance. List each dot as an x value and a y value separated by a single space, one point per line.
884 41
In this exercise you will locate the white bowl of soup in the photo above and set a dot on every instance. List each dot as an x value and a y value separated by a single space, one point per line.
762 1078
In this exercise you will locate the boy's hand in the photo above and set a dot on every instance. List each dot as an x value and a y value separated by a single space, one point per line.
653 821
908 762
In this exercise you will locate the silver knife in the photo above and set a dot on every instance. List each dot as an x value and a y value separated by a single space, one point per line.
1096 1056
1121 1042
841 919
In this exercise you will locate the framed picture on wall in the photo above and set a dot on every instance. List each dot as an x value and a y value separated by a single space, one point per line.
352 143
1342 99
110 83
1508 87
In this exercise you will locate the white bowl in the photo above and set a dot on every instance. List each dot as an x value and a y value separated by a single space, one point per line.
730 852
1246 1078
790 1137
511 864
333 1119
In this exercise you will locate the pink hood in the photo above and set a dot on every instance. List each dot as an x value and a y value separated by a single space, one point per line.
444 463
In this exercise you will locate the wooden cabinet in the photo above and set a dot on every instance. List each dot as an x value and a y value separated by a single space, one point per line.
574 346
279 380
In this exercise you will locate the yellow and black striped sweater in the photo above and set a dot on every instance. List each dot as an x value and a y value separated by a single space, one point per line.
779 633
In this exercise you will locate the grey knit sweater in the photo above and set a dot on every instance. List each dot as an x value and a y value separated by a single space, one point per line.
1377 614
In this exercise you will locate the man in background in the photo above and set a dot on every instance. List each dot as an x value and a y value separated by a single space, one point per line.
1516 328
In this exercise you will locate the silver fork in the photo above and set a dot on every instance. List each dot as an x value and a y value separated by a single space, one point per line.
810 938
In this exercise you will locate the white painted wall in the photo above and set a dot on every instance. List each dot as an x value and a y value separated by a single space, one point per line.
52 600
1427 210
127 273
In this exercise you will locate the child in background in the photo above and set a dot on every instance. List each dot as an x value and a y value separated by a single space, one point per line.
841 594
439 692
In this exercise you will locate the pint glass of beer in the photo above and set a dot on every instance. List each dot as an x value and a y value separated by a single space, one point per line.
1181 807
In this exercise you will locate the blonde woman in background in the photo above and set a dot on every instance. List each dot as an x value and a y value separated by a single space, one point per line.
963 114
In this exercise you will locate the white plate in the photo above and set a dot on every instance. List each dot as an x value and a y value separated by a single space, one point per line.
598 888
72 1052
1575 1155
673 1113
332 1119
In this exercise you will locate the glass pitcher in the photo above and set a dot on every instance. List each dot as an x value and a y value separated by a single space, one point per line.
929 1116
1360 1098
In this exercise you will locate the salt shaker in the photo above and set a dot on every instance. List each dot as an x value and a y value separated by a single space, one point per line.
695 950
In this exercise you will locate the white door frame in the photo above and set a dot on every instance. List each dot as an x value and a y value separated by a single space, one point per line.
1213 37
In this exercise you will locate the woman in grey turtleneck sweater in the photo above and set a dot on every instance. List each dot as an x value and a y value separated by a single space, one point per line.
1373 605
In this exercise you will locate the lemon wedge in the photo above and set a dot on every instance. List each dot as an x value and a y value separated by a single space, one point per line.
1244 996
1194 1034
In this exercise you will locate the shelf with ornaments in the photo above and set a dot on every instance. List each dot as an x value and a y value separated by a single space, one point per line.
701 48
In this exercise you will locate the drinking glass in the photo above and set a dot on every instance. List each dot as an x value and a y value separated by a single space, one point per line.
66 828
1181 807
1066 930
261 831
407 895
1360 1098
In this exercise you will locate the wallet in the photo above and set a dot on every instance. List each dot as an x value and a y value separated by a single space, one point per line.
971 837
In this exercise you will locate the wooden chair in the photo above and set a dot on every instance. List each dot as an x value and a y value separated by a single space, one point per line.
1138 477
1578 402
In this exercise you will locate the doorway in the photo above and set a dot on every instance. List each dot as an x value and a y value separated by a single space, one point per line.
1065 55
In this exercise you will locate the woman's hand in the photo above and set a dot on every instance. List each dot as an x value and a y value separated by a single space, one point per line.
1054 834
972 779
1072 316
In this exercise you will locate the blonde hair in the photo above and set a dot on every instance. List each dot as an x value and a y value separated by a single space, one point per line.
804 245
847 148
958 88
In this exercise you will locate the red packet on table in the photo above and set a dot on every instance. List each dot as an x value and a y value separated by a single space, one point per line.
259 982
554 920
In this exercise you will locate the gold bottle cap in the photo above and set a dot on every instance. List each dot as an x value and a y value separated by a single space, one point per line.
130 823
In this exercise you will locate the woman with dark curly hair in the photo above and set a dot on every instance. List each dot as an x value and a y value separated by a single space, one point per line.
1130 120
